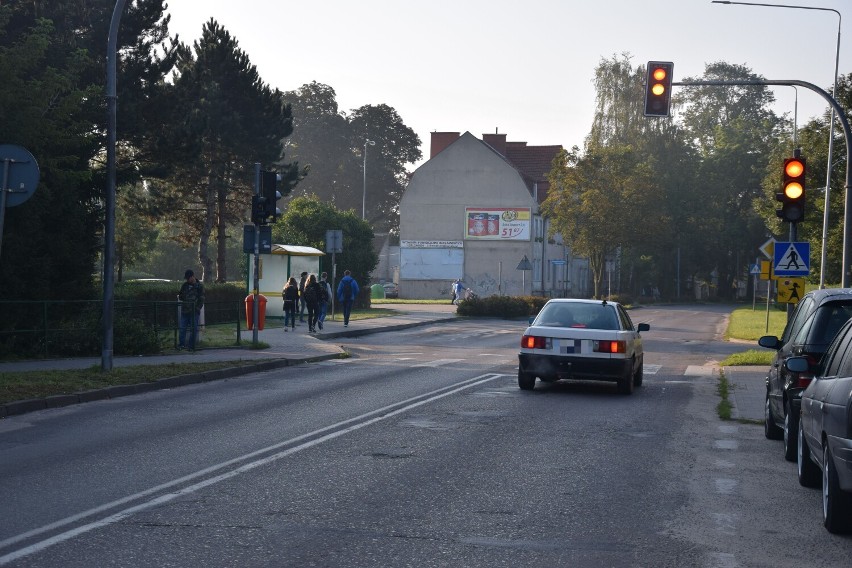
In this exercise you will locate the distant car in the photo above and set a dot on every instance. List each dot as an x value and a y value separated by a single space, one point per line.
810 329
825 430
582 339
391 290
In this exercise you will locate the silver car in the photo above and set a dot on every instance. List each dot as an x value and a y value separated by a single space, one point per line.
582 339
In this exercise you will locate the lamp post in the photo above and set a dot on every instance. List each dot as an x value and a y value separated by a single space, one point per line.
109 203
830 132
364 197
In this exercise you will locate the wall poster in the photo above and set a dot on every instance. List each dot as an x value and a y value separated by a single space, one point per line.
503 224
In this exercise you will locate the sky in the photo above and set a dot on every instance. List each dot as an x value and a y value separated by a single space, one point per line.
520 68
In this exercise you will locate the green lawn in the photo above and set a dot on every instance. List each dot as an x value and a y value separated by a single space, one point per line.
747 324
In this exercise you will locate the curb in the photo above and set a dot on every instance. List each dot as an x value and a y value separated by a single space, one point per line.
370 330
57 401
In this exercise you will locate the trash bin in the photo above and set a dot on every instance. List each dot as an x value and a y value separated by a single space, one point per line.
377 292
261 311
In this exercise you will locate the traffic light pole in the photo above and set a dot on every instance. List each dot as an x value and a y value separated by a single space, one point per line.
255 309
847 133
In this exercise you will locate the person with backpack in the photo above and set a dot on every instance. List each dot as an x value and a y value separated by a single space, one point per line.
290 293
325 298
311 298
302 281
191 298
347 291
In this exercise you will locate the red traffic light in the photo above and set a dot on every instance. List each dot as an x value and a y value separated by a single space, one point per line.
658 88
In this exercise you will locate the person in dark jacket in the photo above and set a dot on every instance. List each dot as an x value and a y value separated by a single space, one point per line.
312 298
191 298
302 306
290 293
347 291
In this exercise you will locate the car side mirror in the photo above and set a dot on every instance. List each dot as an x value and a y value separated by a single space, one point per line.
644 327
532 319
770 342
797 364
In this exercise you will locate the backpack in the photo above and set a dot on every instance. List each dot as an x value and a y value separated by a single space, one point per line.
311 293
347 289
323 291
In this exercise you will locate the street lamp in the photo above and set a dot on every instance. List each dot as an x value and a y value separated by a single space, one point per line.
364 197
830 133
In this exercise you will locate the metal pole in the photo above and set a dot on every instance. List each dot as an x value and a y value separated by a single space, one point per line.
364 196
824 254
7 165
847 133
255 310
109 223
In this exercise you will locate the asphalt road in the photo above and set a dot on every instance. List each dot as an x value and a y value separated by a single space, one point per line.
418 451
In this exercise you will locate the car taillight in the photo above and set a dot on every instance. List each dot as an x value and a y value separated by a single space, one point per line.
535 342
802 380
609 346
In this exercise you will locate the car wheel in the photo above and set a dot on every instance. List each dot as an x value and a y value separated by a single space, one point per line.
637 378
807 470
770 429
625 383
791 430
526 381
835 501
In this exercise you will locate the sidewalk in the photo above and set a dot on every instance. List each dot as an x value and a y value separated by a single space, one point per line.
748 391
285 349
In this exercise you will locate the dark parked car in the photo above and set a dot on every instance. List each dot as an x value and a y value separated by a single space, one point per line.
811 328
582 339
825 430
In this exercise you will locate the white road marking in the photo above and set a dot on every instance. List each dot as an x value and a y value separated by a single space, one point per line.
439 362
334 431
651 369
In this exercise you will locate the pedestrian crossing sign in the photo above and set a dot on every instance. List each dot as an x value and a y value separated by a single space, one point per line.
790 290
792 259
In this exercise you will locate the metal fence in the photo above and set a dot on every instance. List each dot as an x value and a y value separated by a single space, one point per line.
49 329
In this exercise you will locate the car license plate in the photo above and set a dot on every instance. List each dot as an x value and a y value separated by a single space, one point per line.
567 346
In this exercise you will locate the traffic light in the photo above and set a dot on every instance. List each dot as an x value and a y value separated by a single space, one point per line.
270 195
792 196
658 88
258 210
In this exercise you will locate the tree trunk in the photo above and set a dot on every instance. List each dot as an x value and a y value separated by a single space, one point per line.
221 237
206 232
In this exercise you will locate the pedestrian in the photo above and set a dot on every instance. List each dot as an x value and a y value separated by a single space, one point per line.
311 297
325 299
458 288
191 299
290 293
302 306
347 291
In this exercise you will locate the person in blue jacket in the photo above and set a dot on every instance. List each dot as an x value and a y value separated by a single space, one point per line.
347 291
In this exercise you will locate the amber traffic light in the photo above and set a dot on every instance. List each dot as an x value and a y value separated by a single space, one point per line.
658 88
792 196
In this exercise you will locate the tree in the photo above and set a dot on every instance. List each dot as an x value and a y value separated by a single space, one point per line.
595 202
51 102
396 146
332 144
735 133
224 120
305 223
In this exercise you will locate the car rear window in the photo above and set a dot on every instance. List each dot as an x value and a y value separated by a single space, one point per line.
588 316
828 319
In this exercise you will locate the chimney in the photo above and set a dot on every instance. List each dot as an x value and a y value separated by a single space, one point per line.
440 140
496 141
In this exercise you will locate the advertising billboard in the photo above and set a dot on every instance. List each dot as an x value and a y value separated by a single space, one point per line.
502 224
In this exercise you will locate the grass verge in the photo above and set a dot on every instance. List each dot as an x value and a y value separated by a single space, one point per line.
23 385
